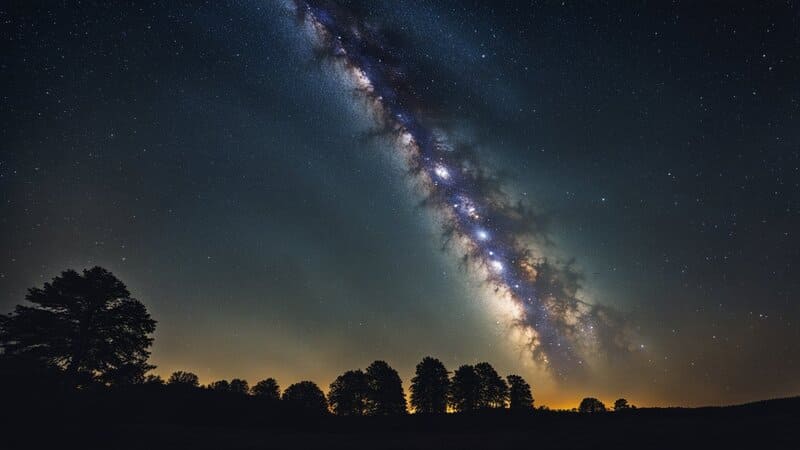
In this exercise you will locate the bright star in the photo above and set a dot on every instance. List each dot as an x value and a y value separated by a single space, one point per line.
497 266
442 172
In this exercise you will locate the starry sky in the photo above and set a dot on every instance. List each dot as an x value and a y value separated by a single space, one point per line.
210 156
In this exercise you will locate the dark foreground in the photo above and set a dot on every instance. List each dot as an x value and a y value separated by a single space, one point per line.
145 418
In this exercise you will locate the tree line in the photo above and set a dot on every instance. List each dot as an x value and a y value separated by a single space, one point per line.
85 329
378 390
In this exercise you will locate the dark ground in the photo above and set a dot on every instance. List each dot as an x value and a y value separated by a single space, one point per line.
172 418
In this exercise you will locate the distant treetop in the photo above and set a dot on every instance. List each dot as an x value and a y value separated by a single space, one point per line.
267 389
181 378
591 405
306 395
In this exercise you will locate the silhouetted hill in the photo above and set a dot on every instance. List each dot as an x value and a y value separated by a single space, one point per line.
776 405
771 406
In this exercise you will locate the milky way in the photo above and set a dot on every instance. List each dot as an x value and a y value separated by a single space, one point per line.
494 234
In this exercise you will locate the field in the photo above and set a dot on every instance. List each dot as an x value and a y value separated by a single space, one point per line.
172 419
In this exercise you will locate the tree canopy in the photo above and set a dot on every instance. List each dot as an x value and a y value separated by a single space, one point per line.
429 387
591 405
621 404
239 386
153 379
519 393
87 325
267 389
181 378
493 390
347 395
464 389
220 386
385 395
306 395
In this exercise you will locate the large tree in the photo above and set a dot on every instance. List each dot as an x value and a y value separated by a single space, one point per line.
347 395
429 387
493 390
306 395
519 393
464 389
87 325
385 396
267 389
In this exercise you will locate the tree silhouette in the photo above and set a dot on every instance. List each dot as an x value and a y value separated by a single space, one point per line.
154 380
239 386
519 393
385 396
306 395
87 325
220 386
493 390
181 378
267 389
591 405
464 389
429 387
347 395
621 404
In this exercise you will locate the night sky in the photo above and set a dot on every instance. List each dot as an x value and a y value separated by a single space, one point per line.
214 157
